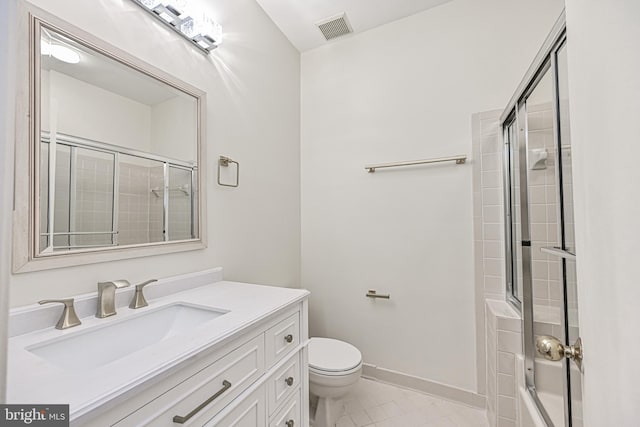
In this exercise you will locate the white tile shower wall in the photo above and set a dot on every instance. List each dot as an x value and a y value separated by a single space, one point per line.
503 345
61 203
136 203
488 205
179 204
156 205
140 211
487 222
543 210
94 199
499 326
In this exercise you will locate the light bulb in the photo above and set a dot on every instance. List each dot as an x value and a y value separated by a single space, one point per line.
202 25
150 4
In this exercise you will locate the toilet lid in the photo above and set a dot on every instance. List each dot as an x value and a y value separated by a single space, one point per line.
326 354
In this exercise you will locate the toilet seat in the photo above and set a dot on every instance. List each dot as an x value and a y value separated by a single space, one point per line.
334 373
333 357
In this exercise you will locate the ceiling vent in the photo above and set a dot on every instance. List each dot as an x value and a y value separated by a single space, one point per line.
335 26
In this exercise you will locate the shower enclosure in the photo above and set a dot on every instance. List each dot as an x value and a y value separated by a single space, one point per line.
100 195
539 231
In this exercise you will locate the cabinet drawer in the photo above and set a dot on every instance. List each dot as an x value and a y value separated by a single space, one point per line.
250 412
218 384
291 413
282 337
283 382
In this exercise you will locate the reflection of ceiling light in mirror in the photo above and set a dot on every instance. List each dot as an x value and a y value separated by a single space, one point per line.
51 47
64 54
45 47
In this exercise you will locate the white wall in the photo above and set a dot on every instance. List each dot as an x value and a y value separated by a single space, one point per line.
174 125
253 95
168 128
399 92
7 111
604 86
81 109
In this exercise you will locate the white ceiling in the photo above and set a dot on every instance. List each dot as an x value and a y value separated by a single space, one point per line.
297 18
108 74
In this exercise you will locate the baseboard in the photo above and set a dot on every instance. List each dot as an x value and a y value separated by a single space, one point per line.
424 385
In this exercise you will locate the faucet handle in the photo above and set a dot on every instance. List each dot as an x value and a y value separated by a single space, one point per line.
69 318
139 300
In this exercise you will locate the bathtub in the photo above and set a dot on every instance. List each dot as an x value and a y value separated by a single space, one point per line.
549 379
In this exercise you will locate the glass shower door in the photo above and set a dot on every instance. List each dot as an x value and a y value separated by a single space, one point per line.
568 243
541 241
544 228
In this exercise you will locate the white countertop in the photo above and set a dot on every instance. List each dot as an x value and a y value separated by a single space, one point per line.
32 379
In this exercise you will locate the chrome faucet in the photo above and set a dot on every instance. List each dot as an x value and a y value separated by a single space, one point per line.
139 300
107 297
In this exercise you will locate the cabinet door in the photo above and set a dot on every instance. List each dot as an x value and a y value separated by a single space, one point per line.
202 396
291 413
282 383
282 338
250 412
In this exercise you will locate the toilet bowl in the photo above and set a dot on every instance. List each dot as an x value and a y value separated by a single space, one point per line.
334 368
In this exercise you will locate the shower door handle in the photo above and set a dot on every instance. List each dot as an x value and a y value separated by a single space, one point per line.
552 349
559 252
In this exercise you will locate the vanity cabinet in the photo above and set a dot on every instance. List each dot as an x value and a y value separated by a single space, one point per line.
257 378
249 412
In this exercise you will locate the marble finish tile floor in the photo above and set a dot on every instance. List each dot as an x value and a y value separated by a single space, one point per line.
375 404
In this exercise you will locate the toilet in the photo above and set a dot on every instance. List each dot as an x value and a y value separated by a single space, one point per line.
334 368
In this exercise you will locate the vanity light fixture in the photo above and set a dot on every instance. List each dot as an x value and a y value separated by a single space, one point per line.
182 17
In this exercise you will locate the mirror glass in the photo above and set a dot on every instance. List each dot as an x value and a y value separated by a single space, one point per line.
117 156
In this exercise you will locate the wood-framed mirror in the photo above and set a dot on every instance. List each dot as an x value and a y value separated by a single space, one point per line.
114 150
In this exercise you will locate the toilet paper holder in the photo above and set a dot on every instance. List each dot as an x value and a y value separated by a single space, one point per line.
372 293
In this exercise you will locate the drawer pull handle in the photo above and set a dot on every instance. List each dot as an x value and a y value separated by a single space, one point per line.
289 381
226 385
290 423
288 338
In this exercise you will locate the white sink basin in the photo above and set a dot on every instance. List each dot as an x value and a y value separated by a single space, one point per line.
100 345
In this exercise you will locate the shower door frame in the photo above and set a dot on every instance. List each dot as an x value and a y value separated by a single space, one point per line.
74 142
516 115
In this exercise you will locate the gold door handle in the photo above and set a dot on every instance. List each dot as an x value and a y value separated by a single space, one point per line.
553 349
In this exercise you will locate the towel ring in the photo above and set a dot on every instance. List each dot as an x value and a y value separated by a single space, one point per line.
224 162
